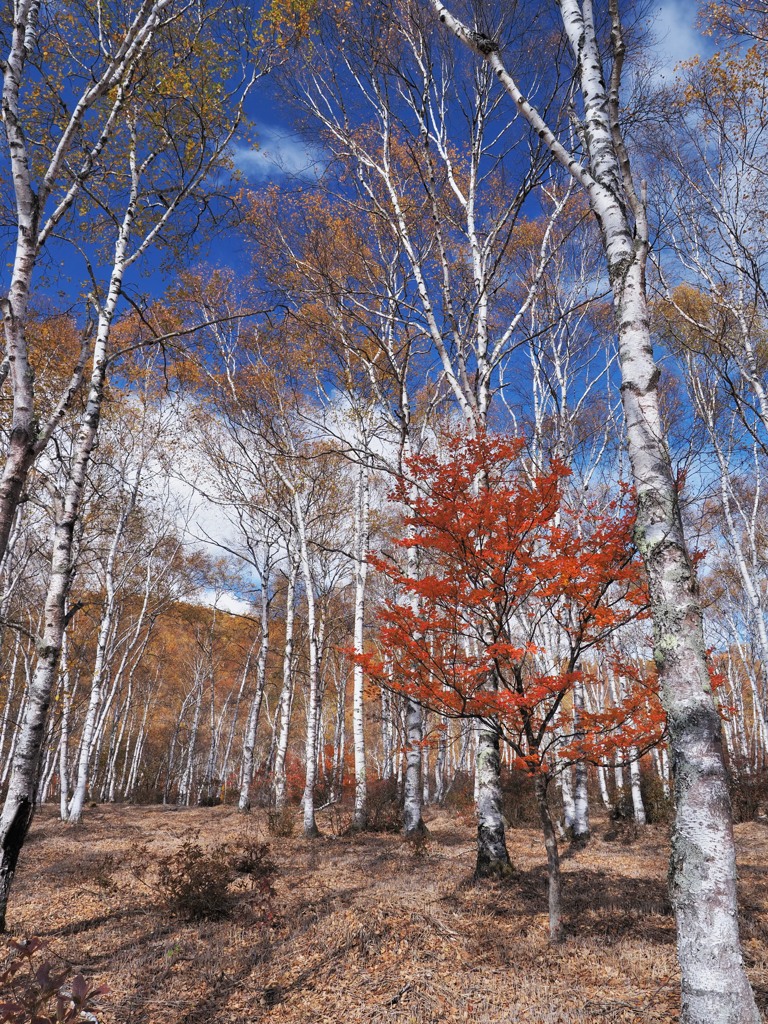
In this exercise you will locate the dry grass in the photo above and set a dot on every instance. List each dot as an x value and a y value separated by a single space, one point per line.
367 930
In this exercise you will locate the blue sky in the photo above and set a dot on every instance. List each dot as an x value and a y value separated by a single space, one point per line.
283 154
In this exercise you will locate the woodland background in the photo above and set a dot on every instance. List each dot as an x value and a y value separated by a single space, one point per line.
272 521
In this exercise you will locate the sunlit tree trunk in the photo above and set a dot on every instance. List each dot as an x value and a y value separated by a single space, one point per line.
20 801
580 829
362 517
313 693
715 988
249 742
138 750
412 820
97 681
566 789
492 856
225 761
64 740
637 797
286 694
188 775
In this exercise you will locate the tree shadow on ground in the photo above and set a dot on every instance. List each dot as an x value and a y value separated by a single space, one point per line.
596 904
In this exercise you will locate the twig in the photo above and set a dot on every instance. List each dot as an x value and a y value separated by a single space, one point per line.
399 995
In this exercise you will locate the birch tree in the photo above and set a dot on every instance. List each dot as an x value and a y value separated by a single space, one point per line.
715 987
156 183
426 139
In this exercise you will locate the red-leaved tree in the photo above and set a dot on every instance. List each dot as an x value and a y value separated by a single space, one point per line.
517 584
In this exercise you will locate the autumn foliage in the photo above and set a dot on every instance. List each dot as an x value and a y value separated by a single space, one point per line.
517 584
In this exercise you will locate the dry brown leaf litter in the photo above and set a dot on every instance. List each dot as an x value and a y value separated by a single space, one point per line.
366 930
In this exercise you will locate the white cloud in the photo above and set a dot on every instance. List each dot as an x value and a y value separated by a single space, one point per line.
279 154
225 602
677 37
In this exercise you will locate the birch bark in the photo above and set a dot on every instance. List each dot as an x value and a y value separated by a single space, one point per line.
361 539
715 988
97 681
40 207
286 694
249 741
20 800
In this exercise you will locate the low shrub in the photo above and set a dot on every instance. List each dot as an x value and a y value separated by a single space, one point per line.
519 805
197 884
385 811
659 809
281 823
32 991
253 860
749 793
340 819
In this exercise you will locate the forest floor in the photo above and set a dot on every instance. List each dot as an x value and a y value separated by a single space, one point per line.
368 928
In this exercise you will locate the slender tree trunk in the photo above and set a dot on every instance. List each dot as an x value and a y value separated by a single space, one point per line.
362 516
387 733
9 693
715 988
97 681
637 796
601 781
313 696
51 762
249 743
138 750
339 742
19 806
121 721
15 734
569 807
235 715
440 760
286 694
187 779
553 859
64 741
425 794
581 828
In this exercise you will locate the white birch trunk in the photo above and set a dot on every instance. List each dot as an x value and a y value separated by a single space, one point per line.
64 740
138 750
249 742
412 820
224 772
715 988
19 805
187 779
441 761
638 807
108 90
9 694
492 856
313 702
581 828
97 681
566 789
286 694
362 529
603 784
